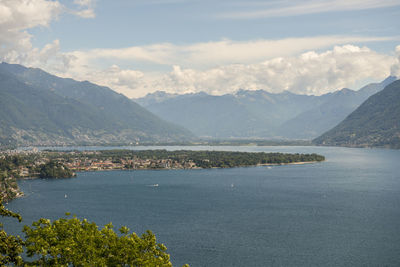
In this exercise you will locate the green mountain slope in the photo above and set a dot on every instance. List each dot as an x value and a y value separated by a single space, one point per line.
376 123
37 108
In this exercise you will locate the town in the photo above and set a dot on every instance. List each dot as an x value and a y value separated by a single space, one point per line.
98 164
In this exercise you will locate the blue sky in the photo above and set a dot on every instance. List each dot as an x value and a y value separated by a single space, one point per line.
126 23
136 47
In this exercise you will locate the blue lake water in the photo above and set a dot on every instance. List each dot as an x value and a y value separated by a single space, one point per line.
342 212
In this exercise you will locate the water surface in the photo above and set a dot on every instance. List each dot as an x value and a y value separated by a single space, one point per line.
342 212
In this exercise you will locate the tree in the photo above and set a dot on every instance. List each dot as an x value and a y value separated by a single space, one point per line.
75 242
11 246
53 169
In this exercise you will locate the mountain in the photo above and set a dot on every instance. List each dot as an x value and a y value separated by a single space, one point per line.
155 98
334 108
376 123
37 108
241 115
258 114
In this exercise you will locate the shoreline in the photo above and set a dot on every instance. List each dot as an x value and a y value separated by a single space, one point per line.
289 163
160 169
22 194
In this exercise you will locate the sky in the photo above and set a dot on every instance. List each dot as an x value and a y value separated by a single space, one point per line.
184 46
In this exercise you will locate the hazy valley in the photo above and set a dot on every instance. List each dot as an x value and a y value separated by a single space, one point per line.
259 114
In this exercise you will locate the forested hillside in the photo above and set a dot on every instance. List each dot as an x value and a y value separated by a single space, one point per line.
37 108
376 123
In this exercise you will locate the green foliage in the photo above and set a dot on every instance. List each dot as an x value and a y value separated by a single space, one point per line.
11 246
75 242
8 175
9 163
53 169
7 213
207 159
66 242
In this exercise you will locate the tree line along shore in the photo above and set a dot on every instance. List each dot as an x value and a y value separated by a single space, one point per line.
64 164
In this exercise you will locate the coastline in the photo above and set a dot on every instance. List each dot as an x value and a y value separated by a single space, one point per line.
65 164
21 193
289 163
195 167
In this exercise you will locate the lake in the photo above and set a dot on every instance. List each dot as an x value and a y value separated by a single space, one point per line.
342 212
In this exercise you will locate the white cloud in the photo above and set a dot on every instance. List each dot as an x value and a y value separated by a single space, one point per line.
211 54
86 8
308 73
395 69
123 79
294 8
226 66
84 3
16 17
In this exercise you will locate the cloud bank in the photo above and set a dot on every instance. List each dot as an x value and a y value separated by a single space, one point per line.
216 53
308 73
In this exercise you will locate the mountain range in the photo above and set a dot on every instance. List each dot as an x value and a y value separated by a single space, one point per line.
375 123
258 114
37 108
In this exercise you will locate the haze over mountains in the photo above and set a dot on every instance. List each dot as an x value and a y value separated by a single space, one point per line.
376 123
39 108
258 114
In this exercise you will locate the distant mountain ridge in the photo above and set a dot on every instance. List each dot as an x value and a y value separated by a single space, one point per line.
244 114
258 114
40 108
376 123
334 108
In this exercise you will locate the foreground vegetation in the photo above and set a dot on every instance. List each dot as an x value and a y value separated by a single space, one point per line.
75 242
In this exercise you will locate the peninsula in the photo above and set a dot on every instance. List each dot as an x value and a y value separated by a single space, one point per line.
63 164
